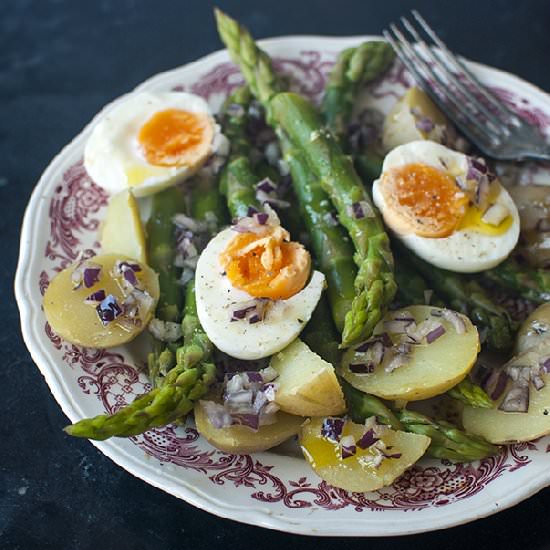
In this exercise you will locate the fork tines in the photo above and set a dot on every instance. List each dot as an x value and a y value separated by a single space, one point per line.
448 81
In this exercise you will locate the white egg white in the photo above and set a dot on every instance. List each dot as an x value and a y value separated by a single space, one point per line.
112 155
217 299
465 250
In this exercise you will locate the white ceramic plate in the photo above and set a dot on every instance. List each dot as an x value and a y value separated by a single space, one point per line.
277 490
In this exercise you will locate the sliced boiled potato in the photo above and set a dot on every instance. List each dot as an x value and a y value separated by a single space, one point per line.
504 427
433 368
79 322
357 473
243 440
535 330
400 124
307 385
122 230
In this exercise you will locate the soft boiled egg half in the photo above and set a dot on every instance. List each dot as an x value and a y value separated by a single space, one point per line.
446 207
150 141
255 291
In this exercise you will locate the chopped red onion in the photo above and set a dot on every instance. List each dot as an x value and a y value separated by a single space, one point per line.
453 317
249 420
537 380
252 311
382 337
165 331
545 364
516 400
434 334
495 214
254 376
108 310
262 218
495 383
331 219
361 368
367 439
348 446
255 222
362 209
403 348
399 360
394 455
425 124
266 185
217 414
90 274
332 429
95 297
185 222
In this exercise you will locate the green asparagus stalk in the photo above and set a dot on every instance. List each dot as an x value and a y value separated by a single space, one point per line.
471 394
161 252
531 284
354 68
238 177
161 246
331 246
448 441
296 119
159 407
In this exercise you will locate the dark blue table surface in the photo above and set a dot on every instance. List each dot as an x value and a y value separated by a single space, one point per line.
60 62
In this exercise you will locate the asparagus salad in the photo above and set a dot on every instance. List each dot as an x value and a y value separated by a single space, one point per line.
299 277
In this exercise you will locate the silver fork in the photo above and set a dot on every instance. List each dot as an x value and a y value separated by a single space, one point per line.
496 130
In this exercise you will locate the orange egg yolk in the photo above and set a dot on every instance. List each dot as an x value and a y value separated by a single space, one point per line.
266 265
423 200
176 138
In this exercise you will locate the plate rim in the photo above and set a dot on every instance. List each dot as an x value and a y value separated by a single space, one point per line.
258 515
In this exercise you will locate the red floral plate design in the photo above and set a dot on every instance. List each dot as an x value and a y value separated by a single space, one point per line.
277 490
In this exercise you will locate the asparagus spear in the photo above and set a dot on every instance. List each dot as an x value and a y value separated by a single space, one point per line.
471 394
295 118
531 284
161 245
354 68
448 441
375 285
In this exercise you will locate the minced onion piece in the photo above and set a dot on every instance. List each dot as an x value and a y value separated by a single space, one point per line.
398 360
545 364
90 274
425 124
165 331
435 333
517 397
185 222
252 311
256 222
454 318
108 310
361 209
495 214
367 439
361 368
330 218
217 414
348 446
332 428
495 383
96 297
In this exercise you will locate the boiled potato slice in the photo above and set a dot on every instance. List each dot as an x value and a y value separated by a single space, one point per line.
307 385
354 473
433 368
534 330
504 427
400 124
243 440
122 231
78 322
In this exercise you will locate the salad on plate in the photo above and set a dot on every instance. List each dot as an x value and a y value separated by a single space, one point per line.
314 272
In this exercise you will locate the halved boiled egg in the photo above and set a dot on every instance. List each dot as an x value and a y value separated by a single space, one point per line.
150 141
446 207
254 290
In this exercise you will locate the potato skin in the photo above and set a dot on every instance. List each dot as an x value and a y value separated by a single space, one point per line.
78 322
242 440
